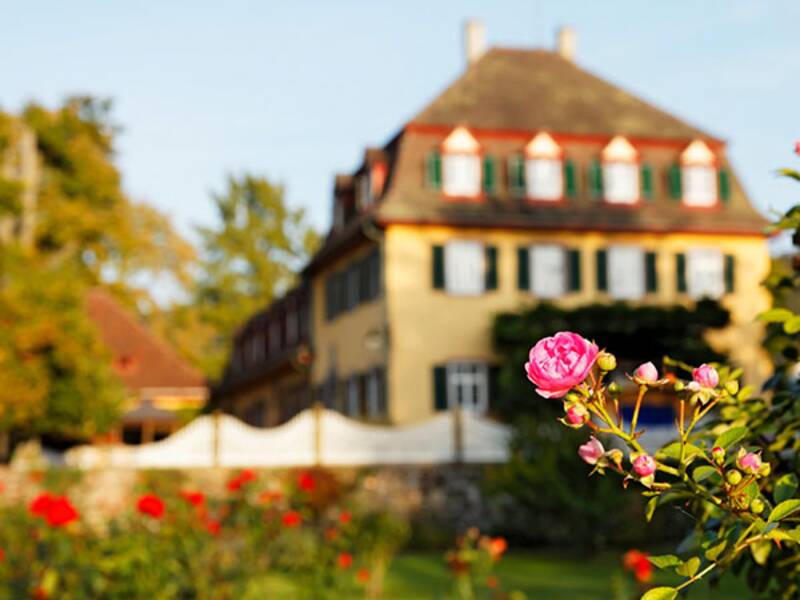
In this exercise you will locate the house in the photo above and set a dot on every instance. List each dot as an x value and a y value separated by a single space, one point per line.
528 178
163 389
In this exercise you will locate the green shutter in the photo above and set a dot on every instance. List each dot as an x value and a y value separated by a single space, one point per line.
730 274
650 274
438 267
491 267
601 265
647 181
523 269
595 177
433 170
516 175
574 258
488 175
724 185
570 181
439 388
680 272
675 191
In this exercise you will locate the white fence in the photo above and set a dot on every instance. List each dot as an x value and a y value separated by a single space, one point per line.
314 437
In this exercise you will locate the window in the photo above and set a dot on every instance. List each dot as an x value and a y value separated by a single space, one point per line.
274 337
376 399
544 179
256 344
468 386
705 274
364 191
292 328
464 268
462 175
353 403
548 270
621 182
699 185
626 271
351 279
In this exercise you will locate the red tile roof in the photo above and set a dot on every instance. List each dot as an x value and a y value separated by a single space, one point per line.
140 359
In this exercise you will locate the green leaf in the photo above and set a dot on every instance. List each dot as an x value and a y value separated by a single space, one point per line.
661 593
730 437
789 173
703 472
751 491
650 508
665 561
776 315
785 487
783 510
760 551
689 568
673 450
792 326
713 553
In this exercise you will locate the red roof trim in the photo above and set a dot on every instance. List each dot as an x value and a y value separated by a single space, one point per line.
560 138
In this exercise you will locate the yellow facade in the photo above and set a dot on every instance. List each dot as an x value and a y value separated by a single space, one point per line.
428 327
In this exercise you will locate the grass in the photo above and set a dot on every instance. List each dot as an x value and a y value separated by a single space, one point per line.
541 576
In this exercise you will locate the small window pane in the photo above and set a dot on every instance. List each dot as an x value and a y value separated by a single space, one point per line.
468 386
699 186
464 268
621 182
462 175
548 270
626 272
705 273
544 179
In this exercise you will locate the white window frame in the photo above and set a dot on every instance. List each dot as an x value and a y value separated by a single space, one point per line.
699 183
626 272
464 268
373 393
544 179
705 273
621 182
468 386
352 407
461 175
542 283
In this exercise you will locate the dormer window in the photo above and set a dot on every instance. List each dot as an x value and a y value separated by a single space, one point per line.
544 177
461 165
620 172
698 175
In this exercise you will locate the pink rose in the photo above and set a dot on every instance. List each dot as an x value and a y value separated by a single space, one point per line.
749 463
591 451
644 465
797 148
706 376
559 363
576 414
646 372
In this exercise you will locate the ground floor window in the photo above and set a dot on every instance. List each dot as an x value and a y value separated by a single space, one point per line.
468 386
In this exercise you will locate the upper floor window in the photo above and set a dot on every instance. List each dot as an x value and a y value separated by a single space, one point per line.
461 165
698 175
544 177
292 326
705 272
465 267
548 270
359 282
626 272
620 172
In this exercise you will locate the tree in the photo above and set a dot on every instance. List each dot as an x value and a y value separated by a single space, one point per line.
248 259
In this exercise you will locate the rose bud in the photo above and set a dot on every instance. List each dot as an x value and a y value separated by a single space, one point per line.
706 376
606 361
718 454
644 465
757 506
749 462
646 373
733 477
577 414
591 451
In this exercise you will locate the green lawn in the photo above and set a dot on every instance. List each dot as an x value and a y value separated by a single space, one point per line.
540 575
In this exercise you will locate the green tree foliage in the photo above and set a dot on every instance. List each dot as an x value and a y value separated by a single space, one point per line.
249 258
55 375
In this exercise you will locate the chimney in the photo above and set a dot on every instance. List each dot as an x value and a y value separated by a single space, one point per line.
566 43
474 40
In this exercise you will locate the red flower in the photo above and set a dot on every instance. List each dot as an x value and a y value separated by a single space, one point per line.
497 547
344 560
39 506
213 526
797 148
193 498
363 576
60 512
152 505
305 481
637 562
39 593
291 519
267 497
242 479
345 517
2 555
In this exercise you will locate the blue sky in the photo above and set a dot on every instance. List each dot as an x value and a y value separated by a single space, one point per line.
295 90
